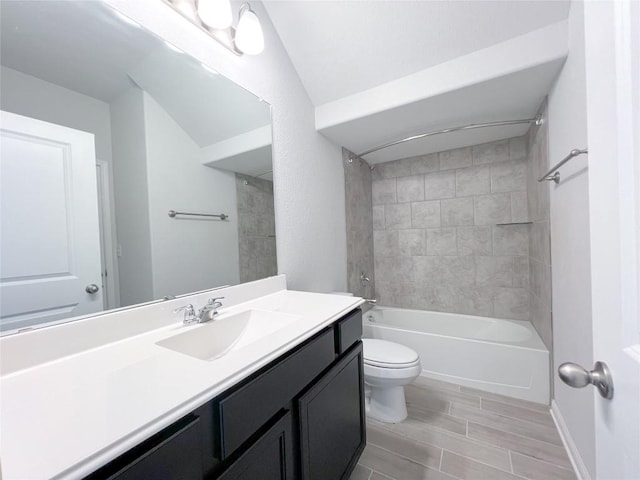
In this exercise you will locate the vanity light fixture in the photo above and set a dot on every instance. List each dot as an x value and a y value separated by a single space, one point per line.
249 37
215 18
215 13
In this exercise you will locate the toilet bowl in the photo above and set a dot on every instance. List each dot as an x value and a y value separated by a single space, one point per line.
388 367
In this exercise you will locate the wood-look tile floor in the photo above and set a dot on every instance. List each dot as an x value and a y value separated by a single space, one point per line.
455 432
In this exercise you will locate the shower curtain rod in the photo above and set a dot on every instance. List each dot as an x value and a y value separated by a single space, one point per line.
537 119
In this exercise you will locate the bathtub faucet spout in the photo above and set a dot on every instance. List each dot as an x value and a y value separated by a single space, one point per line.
371 301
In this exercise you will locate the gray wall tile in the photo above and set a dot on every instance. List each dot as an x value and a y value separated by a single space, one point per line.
412 242
410 189
509 176
450 270
397 216
441 298
541 319
256 229
439 185
385 243
394 269
378 217
457 211
442 241
494 271
518 147
383 191
519 207
377 171
425 164
491 152
540 247
521 272
476 301
397 168
457 158
511 303
511 240
492 209
475 241
359 220
436 241
539 238
425 214
473 181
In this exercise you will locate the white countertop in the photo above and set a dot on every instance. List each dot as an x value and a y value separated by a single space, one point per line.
67 417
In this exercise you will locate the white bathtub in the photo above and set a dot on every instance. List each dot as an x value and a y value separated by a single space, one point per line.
499 356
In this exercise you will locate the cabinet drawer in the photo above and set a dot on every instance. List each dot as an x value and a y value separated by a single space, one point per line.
245 410
173 454
348 331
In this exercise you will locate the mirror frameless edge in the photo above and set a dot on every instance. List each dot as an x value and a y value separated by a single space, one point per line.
175 96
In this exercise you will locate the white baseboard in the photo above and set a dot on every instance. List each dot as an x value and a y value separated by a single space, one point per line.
574 455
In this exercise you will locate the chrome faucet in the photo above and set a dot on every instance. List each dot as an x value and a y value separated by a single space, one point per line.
210 310
189 314
205 314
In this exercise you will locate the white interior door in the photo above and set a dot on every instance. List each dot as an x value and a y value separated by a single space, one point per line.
612 31
49 238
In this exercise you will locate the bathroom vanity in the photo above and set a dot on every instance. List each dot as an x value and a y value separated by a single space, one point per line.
286 403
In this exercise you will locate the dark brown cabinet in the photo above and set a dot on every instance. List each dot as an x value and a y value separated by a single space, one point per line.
332 421
300 417
173 454
270 457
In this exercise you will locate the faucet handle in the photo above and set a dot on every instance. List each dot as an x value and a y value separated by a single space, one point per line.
214 301
189 313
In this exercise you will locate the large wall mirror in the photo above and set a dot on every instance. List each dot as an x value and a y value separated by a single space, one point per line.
106 129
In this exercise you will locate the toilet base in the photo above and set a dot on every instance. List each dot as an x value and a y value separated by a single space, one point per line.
386 405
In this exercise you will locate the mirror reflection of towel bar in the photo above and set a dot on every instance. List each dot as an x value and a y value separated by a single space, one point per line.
221 216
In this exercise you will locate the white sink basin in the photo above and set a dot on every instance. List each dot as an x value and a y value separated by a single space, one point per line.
227 333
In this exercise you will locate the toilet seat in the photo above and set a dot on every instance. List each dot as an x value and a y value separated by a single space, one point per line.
383 354
391 365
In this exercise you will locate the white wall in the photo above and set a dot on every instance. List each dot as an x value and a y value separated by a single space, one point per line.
27 95
131 198
188 254
308 173
570 247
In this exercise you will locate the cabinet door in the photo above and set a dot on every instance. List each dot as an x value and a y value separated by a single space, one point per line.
269 458
332 420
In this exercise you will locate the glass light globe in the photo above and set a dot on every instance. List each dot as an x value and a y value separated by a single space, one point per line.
249 38
215 13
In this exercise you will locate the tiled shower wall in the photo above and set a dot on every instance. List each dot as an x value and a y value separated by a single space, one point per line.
446 231
539 238
357 176
256 228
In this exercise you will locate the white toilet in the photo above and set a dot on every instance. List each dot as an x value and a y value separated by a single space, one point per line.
388 367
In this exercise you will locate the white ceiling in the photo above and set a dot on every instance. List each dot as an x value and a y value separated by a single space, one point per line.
380 71
342 47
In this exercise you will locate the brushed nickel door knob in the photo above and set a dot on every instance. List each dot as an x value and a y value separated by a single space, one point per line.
577 376
91 288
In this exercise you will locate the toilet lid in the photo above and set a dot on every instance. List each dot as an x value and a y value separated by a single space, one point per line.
387 354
